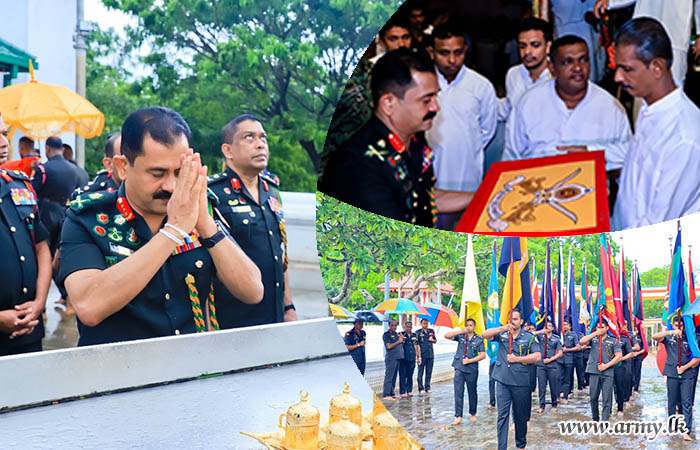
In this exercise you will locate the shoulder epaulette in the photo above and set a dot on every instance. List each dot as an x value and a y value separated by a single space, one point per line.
16 174
90 200
271 178
101 172
211 179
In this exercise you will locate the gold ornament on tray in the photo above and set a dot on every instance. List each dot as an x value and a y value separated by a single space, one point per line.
344 428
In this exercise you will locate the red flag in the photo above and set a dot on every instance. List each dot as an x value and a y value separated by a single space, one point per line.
617 296
607 294
691 287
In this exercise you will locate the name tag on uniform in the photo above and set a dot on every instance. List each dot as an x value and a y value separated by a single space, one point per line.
22 197
241 209
119 250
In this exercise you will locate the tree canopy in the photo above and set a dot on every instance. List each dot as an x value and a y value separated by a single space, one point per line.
285 61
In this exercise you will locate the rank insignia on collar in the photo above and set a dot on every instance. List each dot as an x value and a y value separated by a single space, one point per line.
396 143
227 191
374 152
95 196
22 197
100 231
124 208
265 186
103 218
381 143
132 238
119 219
115 235
236 183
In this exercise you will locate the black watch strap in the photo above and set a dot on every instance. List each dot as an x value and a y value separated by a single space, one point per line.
212 241
288 307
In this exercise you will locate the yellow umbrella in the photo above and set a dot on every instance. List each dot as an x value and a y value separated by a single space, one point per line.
43 110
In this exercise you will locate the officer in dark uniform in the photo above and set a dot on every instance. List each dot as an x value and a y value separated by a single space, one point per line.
470 350
679 371
621 376
251 206
637 360
426 339
83 176
569 347
548 369
601 371
512 380
411 353
108 178
533 368
387 167
54 181
355 343
25 266
393 343
585 354
579 364
140 262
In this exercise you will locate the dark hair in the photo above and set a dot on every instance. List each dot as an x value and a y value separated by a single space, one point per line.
425 320
109 145
447 30
532 23
470 320
55 143
397 20
516 311
24 140
649 38
392 72
162 124
229 129
67 147
569 39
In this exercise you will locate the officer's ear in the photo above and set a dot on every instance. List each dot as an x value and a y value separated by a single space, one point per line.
387 103
227 150
107 163
119 163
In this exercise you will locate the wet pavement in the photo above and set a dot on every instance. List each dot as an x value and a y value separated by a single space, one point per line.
428 419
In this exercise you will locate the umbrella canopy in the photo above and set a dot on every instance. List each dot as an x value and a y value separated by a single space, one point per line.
370 316
400 306
43 110
339 312
440 315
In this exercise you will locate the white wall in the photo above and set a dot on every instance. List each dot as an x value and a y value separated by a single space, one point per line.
44 29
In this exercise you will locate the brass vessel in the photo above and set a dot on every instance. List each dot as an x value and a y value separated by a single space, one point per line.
389 434
343 435
378 407
302 424
346 406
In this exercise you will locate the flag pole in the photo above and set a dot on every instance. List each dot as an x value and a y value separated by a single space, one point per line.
510 312
678 321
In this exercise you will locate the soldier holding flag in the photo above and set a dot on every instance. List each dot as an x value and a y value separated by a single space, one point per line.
605 353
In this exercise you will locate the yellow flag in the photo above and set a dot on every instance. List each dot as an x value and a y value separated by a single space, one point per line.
470 292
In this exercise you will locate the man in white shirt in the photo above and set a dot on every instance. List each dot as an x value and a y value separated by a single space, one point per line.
534 40
463 128
659 178
568 114
675 15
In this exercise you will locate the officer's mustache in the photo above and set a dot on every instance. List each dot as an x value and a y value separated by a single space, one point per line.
164 195
430 115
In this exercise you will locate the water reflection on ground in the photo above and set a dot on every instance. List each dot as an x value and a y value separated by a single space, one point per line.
428 419
61 328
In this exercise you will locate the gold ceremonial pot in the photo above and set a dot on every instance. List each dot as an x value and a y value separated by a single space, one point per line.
346 406
389 434
302 423
343 435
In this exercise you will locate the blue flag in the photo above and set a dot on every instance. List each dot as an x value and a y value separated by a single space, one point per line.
572 307
492 309
515 261
678 302
546 300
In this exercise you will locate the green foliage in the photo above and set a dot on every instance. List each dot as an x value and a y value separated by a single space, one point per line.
285 61
373 245
658 276
653 308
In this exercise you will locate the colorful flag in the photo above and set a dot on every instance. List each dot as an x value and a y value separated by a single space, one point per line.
546 314
585 309
624 294
561 302
691 289
638 308
605 297
492 310
572 310
470 291
514 266
678 299
617 299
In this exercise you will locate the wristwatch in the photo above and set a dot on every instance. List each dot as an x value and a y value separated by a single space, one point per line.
288 307
212 241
